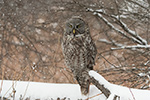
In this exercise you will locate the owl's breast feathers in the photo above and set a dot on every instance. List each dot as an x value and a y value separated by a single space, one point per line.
80 53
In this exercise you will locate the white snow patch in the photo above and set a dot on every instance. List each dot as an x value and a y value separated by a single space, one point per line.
100 10
146 62
38 30
54 25
41 20
111 97
105 41
142 74
57 8
46 91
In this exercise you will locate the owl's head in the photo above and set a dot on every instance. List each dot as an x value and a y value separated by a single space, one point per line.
75 27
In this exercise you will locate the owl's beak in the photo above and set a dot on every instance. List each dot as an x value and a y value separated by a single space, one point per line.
74 31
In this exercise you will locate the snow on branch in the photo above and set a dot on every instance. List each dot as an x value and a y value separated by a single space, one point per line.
133 35
105 41
131 32
134 47
111 42
140 3
120 92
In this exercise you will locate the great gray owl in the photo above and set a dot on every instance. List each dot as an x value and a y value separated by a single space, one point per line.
79 51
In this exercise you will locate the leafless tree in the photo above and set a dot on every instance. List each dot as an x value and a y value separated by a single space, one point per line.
30 41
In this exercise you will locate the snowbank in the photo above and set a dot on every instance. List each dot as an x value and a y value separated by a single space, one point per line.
42 91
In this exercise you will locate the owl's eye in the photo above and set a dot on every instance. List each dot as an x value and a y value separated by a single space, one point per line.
70 25
78 26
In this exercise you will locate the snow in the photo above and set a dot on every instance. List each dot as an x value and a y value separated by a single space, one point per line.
146 62
54 25
135 5
37 90
111 97
38 31
134 36
133 47
52 91
142 74
131 32
100 10
125 93
105 41
40 20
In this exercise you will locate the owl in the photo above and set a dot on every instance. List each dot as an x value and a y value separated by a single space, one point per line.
79 51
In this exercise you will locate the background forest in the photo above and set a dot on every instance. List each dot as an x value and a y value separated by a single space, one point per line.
31 31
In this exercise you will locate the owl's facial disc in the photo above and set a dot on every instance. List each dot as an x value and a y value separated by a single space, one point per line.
75 27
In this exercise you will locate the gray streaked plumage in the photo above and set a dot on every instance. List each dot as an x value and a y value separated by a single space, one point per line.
79 51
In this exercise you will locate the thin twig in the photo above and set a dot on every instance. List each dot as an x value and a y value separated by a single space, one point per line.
132 94
3 71
26 90
93 96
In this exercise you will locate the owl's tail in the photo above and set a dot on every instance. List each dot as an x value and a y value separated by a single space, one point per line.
85 88
84 81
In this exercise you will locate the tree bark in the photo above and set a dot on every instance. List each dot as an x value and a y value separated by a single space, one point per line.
104 90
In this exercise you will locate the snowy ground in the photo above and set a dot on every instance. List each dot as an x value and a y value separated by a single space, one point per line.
47 91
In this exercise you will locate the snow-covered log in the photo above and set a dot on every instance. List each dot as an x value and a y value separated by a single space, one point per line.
116 91
100 86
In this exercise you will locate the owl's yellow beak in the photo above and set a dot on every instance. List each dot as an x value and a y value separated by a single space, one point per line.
74 31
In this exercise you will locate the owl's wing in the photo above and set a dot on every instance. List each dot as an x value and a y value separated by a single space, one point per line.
92 51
